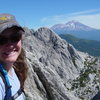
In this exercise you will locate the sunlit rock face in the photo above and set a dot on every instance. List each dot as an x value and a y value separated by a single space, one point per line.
57 71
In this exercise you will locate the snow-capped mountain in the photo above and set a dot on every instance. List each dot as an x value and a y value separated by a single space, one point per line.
72 25
77 29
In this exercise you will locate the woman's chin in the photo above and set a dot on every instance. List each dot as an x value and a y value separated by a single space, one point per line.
10 60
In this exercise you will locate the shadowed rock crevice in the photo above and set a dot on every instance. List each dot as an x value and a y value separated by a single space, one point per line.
41 76
49 86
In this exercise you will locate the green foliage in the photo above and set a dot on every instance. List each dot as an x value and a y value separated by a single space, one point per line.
81 98
82 84
90 46
83 78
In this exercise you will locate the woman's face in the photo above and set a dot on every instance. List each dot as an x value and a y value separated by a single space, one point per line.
10 50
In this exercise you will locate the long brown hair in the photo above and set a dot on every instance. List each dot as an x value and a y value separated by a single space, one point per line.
21 68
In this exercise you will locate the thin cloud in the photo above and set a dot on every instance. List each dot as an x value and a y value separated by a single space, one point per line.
90 20
89 17
86 12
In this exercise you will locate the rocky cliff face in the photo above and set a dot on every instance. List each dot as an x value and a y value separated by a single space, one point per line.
57 71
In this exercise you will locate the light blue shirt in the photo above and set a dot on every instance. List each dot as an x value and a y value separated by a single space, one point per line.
14 82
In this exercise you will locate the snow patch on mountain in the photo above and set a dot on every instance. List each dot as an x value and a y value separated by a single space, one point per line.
72 25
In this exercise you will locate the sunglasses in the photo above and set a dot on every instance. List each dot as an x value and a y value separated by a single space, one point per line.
13 38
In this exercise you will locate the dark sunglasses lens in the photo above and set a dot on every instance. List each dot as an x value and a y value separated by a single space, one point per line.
3 40
16 37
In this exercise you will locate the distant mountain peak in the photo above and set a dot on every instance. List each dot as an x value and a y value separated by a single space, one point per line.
73 21
75 25
72 25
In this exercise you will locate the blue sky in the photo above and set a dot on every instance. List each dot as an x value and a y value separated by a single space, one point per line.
40 13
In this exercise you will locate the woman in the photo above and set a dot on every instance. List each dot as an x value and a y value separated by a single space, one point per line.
12 59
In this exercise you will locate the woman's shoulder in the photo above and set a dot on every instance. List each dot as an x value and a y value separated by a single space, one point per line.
2 85
2 89
1 79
